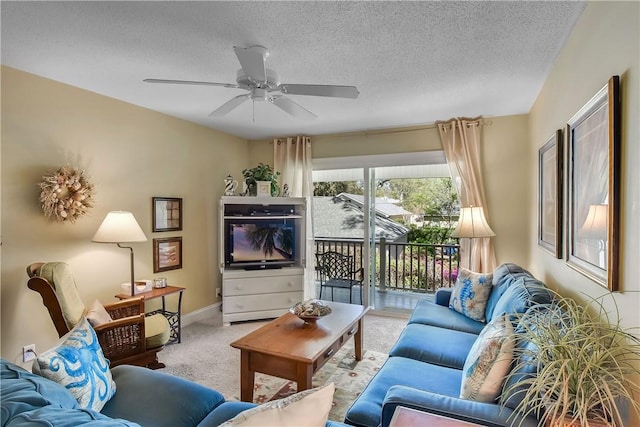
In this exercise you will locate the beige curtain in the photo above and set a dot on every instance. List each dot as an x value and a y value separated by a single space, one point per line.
461 140
292 158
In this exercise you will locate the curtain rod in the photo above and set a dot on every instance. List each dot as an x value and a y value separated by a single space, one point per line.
483 122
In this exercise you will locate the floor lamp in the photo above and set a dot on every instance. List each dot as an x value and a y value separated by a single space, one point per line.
472 225
120 227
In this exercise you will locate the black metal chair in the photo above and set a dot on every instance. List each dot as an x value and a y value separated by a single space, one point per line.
338 270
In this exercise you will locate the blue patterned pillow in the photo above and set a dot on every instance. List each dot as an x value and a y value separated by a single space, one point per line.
80 366
470 294
488 361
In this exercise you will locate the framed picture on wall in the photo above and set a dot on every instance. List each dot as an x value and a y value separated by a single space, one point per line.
550 170
167 254
593 199
167 214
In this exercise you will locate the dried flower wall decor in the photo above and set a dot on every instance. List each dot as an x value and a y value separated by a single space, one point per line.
66 194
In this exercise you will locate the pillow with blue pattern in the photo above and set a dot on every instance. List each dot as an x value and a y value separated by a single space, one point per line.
80 366
488 361
470 294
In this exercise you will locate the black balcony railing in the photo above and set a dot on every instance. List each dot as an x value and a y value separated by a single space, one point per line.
415 267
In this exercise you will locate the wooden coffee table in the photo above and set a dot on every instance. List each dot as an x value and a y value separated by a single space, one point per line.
288 348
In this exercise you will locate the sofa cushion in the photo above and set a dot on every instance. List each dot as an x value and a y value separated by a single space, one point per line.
432 344
470 294
522 294
503 277
488 362
307 408
153 398
428 313
80 366
367 409
54 416
23 391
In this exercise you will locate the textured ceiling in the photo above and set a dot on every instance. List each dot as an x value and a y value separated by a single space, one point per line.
413 62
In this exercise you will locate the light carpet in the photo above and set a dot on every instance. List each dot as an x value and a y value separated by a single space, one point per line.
205 356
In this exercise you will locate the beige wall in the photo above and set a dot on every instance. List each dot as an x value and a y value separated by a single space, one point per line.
604 42
506 169
132 154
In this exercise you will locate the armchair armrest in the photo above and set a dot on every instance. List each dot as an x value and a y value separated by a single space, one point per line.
443 295
486 414
125 308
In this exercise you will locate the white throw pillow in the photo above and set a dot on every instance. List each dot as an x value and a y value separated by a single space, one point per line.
97 315
309 408
80 366
470 294
488 361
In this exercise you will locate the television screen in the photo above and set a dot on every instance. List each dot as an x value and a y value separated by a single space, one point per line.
260 243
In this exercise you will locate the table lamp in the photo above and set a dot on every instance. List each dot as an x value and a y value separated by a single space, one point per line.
472 225
120 227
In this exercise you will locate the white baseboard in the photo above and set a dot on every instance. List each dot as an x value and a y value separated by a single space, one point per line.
201 314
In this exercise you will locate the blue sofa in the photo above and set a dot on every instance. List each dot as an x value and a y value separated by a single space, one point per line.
143 398
424 370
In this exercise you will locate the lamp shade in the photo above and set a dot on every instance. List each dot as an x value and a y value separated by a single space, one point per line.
472 224
595 226
119 227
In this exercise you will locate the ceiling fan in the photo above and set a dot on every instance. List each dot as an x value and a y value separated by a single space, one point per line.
263 84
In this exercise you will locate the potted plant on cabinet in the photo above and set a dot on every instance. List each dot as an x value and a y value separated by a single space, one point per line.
586 365
260 173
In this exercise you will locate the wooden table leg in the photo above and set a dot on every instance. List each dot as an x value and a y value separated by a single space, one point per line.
304 376
247 378
357 340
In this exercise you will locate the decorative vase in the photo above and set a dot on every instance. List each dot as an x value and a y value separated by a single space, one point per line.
230 186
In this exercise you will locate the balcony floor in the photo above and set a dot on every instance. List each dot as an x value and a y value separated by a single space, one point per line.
389 301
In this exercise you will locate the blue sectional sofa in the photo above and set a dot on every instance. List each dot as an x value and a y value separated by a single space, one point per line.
425 367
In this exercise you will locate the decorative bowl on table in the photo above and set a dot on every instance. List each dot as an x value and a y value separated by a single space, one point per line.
310 310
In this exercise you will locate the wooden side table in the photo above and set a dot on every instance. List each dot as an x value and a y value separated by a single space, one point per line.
407 417
174 317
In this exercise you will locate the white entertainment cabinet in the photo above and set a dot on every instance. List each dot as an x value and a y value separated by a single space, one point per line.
261 291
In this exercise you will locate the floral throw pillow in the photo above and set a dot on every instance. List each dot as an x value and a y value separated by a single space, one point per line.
488 361
308 408
80 366
470 294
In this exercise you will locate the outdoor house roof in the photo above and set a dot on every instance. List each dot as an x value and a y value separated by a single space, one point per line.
384 206
341 217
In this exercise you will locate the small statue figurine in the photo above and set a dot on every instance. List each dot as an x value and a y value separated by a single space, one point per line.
285 191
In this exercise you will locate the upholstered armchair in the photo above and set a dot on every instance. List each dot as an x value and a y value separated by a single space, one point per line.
127 336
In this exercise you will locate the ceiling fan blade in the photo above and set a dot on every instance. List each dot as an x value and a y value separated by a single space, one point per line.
252 61
291 107
230 105
190 82
320 90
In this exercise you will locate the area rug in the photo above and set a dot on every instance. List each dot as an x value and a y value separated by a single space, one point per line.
349 376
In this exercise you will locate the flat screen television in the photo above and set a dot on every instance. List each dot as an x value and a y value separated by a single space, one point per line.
260 244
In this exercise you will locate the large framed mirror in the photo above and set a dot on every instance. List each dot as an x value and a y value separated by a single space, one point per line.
593 193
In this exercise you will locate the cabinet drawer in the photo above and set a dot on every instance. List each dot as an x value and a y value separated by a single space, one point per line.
262 285
242 303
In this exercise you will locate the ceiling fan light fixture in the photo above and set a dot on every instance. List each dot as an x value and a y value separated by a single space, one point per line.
259 94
